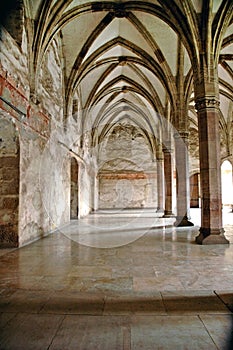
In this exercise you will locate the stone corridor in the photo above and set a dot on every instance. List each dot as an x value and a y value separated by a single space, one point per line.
116 169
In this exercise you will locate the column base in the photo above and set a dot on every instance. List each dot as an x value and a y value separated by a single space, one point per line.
159 210
168 214
182 222
208 236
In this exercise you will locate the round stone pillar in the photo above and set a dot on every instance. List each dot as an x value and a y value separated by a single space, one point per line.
182 180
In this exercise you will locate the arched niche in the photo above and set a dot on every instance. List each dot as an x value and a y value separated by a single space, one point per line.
9 184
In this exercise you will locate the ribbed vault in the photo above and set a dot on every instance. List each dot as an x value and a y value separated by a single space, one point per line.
137 50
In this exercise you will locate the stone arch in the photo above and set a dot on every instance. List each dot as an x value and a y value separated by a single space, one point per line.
9 184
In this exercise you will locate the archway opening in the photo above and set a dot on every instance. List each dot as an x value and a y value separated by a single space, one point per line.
194 191
227 183
74 189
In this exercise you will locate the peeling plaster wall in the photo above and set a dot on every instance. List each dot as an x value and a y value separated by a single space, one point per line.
34 222
45 171
44 200
14 60
50 84
126 192
44 196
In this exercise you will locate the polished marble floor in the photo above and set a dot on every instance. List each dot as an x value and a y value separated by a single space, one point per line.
124 280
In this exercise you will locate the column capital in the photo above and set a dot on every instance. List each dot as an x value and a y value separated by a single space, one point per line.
181 135
167 150
206 102
159 156
167 147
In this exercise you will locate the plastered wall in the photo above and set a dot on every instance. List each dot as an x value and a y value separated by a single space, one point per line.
42 198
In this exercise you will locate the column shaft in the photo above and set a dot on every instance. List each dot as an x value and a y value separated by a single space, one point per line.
182 180
211 231
160 185
168 183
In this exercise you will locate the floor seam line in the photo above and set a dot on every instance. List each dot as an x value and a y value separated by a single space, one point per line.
164 305
58 328
218 296
104 303
208 332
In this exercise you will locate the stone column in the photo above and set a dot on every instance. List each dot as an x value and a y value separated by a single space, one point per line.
168 182
211 231
182 180
160 183
96 193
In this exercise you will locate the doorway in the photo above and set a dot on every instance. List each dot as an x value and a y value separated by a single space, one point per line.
194 191
227 183
74 189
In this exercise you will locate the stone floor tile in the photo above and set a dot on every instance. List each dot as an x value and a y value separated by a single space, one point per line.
50 283
29 332
6 251
220 328
93 333
4 319
193 303
156 284
101 284
143 271
122 271
90 271
169 332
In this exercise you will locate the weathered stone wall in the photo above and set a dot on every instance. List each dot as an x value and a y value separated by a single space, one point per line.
49 93
44 169
126 191
9 183
14 61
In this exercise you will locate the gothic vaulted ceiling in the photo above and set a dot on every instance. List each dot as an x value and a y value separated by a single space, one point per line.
122 59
